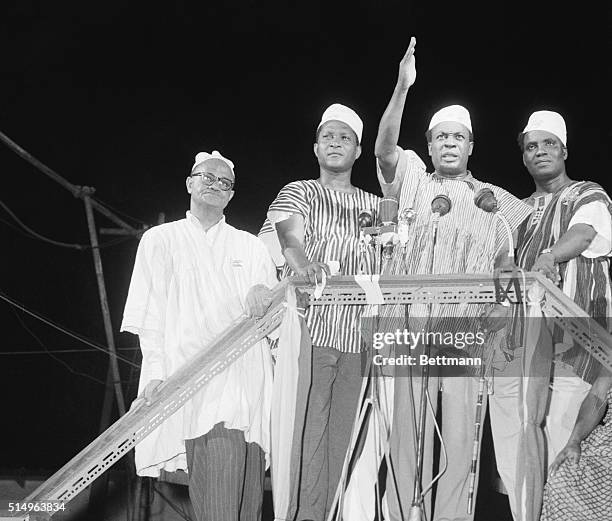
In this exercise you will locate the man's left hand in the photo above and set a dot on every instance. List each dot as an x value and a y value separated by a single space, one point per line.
258 301
545 264
570 453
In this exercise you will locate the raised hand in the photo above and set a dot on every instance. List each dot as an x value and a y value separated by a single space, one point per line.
407 67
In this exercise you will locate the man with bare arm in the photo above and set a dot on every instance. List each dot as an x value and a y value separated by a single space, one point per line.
317 221
568 238
469 240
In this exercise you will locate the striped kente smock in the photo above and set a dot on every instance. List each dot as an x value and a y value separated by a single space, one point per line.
584 279
468 239
331 232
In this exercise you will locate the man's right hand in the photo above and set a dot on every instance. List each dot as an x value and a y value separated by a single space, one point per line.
407 67
546 264
150 390
314 271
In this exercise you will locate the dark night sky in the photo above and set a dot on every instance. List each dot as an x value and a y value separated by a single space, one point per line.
121 97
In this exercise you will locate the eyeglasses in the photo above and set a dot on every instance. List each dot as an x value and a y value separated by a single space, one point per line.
209 179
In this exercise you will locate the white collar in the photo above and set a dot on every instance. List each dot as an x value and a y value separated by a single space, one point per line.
212 231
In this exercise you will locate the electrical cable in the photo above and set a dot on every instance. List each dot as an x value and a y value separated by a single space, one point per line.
442 446
61 351
39 236
29 232
128 216
64 330
66 365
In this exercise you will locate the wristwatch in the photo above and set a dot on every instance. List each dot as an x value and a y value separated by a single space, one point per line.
548 250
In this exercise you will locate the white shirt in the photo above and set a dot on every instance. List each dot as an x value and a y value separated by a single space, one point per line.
188 285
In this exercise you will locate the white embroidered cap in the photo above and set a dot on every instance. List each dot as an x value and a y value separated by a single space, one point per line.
203 156
338 112
455 113
549 121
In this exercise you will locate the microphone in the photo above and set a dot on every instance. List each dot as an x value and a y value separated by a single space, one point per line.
485 200
365 221
441 205
381 235
389 240
387 211
366 218
406 218
385 221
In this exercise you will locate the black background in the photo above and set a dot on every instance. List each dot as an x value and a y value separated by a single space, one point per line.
121 98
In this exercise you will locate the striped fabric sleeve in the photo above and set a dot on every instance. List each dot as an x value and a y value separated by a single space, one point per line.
408 163
515 210
267 227
269 237
289 201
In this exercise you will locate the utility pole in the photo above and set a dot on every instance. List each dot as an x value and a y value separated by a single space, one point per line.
113 376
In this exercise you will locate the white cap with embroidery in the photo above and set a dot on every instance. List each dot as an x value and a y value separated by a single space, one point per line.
203 156
455 113
338 112
548 121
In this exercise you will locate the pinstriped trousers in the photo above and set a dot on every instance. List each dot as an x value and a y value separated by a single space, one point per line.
226 476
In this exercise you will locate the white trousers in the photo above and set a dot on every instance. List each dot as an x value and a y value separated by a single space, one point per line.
567 394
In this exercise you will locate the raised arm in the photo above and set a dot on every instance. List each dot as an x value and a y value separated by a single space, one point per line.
390 123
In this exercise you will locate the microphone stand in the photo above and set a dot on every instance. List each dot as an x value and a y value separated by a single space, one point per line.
485 200
442 204
365 222
405 219
368 265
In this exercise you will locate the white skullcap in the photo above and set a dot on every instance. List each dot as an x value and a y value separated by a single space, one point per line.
455 113
550 122
203 156
337 112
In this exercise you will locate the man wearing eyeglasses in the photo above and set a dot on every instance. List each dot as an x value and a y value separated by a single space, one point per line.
192 278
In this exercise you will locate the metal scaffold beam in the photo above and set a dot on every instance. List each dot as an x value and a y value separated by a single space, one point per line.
141 420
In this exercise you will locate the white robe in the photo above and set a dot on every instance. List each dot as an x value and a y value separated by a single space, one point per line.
188 285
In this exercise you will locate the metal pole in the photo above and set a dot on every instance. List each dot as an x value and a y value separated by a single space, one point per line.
113 375
416 510
108 328
75 190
